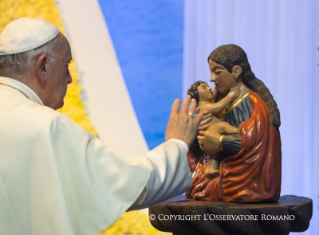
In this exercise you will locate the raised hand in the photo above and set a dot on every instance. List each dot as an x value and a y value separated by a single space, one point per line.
234 92
181 125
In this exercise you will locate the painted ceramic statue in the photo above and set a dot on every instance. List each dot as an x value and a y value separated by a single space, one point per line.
237 157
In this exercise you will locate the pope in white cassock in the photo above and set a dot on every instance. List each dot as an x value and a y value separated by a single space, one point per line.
56 178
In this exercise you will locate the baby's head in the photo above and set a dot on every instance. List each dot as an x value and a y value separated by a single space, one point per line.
200 91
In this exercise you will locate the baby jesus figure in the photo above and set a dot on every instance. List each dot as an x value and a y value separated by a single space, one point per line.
205 99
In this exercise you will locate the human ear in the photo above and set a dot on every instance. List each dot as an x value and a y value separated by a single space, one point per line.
237 70
42 68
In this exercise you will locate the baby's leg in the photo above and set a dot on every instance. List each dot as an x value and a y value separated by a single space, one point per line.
224 128
212 169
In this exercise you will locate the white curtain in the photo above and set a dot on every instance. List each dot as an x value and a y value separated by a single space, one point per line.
281 39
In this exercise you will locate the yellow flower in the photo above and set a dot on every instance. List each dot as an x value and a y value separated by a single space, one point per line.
132 223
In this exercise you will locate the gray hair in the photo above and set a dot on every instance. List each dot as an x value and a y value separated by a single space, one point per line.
19 64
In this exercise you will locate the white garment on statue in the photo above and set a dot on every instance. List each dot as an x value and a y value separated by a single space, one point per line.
56 178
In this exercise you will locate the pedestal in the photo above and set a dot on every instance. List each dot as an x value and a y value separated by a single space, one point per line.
184 216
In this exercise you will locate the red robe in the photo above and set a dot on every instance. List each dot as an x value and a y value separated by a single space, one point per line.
252 175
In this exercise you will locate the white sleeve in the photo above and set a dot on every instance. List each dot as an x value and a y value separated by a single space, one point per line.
169 173
182 142
98 184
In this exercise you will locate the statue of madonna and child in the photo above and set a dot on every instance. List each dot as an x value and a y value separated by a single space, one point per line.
237 154
236 158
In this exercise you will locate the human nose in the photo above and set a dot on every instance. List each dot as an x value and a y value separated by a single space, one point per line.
212 77
69 78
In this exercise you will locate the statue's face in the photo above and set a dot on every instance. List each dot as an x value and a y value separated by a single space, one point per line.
223 79
205 92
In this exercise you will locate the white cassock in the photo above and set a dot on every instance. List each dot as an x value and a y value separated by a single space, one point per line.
56 178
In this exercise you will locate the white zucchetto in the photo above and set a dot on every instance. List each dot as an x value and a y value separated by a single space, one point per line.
25 34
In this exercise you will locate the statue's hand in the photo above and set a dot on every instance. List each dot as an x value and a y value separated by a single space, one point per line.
234 92
181 125
209 141
206 121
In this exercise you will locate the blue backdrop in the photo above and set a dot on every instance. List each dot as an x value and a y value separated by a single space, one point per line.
148 40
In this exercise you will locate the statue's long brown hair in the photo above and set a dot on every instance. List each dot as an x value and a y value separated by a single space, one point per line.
230 55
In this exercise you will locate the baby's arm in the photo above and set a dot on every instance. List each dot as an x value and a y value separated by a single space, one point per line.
216 108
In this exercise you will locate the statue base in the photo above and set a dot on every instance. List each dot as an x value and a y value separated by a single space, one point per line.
184 216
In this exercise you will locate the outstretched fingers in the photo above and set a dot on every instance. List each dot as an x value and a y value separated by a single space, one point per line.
186 103
182 125
192 107
175 106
